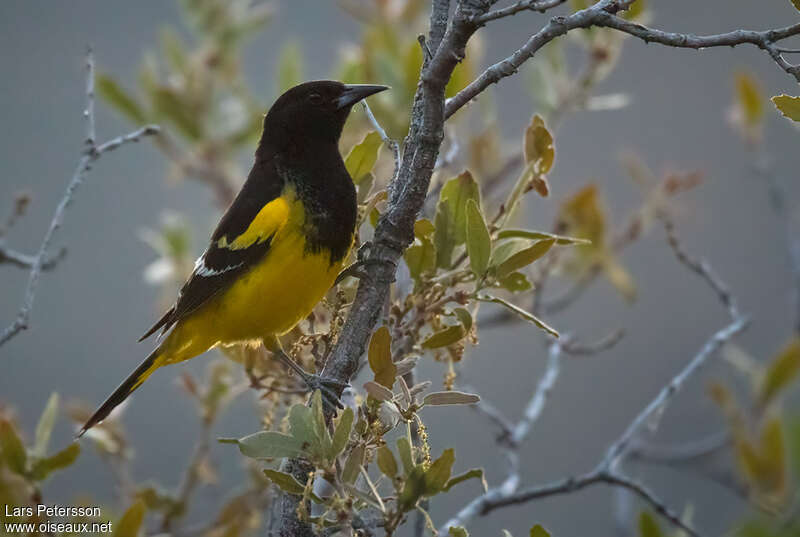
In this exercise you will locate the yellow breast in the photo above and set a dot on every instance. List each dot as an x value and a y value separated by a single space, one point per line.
268 300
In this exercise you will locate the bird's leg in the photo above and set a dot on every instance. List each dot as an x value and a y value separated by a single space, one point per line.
356 270
327 387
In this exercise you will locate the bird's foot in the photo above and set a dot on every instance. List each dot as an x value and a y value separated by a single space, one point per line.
328 388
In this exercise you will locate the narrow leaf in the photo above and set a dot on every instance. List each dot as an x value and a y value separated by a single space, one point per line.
525 257
475 473
353 464
538 235
479 242
342 434
451 215
404 450
45 426
783 369
119 99
11 448
749 99
60 460
444 337
387 462
267 445
288 483
131 521
521 312
450 398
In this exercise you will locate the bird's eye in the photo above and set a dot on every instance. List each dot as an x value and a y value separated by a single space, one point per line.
315 98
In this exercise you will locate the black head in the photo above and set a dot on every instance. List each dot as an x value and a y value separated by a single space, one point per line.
311 112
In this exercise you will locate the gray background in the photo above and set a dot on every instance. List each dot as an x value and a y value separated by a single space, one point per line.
91 310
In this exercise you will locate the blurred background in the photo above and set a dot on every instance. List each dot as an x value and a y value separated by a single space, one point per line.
671 108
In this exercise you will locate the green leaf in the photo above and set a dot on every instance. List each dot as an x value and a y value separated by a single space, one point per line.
421 255
290 67
782 370
451 397
380 357
457 531
437 476
413 489
131 521
45 426
44 467
353 464
444 337
539 235
464 317
287 483
451 215
11 448
524 257
387 462
479 242
788 105
404 450
475 473
320 425
443 238
267 445
363 156
342 434
648 527
301 425
515 282
539 531
521 312
796 4
420 258
108 89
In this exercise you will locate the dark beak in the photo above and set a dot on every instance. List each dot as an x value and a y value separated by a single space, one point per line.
355 92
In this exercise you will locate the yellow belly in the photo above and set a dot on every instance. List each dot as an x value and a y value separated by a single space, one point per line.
268 300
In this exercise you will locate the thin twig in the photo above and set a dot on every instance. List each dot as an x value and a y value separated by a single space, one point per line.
390 143
523 5
601 14
25 261
91 154
701 268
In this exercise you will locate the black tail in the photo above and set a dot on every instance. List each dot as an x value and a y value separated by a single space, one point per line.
127 387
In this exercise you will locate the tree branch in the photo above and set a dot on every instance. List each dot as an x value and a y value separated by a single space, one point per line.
602 14
92 152
395 229
523 5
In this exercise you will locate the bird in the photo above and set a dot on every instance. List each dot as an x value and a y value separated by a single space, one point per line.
277 249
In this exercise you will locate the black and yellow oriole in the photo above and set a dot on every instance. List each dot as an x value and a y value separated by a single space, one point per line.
279 246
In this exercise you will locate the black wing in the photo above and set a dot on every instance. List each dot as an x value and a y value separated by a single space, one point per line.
221 265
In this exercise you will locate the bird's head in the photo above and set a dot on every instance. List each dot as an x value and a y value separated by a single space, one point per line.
312 111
